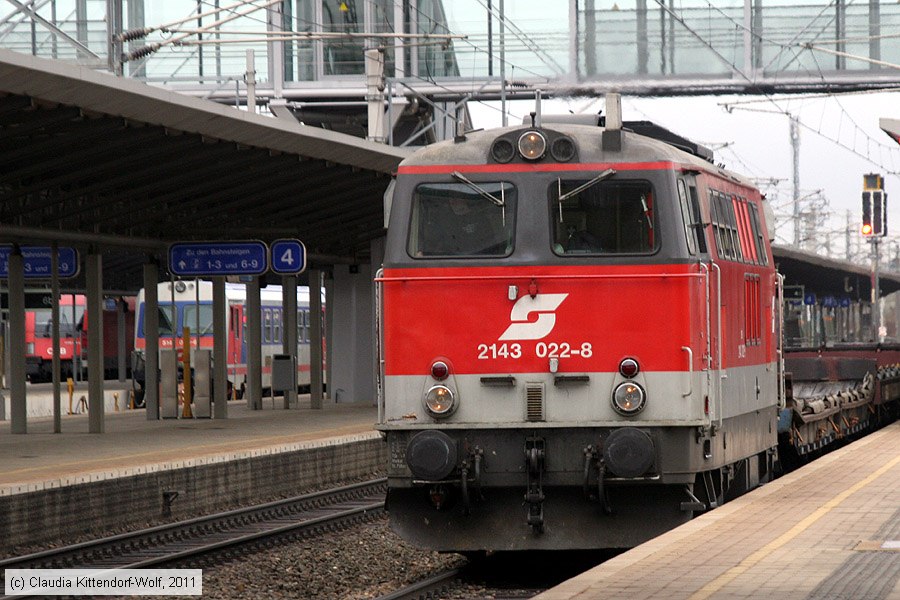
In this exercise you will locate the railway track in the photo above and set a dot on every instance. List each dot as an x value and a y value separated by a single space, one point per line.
433 587
195 540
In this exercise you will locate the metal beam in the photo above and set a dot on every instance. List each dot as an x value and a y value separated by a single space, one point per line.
15 233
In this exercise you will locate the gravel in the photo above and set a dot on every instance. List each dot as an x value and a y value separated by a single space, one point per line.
364 562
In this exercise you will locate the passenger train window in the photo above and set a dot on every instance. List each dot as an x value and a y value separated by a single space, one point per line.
610 217
206 318
454 219
276 325
303 326
166 317
267 326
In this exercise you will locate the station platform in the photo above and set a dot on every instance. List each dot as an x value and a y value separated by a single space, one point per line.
829 530
56 484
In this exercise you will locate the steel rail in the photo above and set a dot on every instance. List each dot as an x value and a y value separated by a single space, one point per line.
426 588
193 538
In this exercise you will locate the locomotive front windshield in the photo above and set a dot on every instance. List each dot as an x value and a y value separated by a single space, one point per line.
458 219
610 217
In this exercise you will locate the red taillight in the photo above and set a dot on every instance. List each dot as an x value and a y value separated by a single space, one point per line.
629 367
440 370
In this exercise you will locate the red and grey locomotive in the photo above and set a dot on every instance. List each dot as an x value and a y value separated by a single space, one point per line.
578 337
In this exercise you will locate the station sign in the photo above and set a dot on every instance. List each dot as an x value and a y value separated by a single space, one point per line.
37 261
194 259
288 257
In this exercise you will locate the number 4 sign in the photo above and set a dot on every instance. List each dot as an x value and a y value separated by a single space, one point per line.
288 257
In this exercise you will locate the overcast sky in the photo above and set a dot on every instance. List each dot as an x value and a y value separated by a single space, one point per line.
759 143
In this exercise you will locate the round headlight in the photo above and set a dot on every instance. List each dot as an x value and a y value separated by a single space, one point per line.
629 398
502 151
532 145
439 400
563 149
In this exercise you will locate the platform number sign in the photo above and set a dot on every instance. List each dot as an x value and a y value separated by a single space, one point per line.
288 257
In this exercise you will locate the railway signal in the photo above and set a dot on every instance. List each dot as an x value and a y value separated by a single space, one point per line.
874 206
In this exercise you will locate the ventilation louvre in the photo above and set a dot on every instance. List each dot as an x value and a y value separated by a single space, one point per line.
534 401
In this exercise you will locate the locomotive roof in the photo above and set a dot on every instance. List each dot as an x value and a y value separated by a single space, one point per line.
475 149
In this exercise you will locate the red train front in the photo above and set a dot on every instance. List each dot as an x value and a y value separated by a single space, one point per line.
578 339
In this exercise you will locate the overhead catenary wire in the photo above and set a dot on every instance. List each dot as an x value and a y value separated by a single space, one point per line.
151 48
140 32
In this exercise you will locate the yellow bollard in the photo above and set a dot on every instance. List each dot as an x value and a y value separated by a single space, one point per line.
70 384
131 400
116 401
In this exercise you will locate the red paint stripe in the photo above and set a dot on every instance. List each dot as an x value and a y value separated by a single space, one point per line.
534 168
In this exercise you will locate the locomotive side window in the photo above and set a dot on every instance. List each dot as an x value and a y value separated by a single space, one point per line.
698 219
611 217
43 322
455 219
717 224
686 217
725 226
757 234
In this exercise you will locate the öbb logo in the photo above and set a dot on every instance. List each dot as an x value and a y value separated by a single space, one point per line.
522 328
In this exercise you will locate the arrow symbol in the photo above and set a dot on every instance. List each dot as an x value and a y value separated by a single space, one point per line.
182 264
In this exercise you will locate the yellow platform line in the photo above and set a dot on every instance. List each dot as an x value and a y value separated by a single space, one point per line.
728 576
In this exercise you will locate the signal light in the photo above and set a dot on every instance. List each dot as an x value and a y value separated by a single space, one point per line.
879 213
629 368
867 213
440 370
874 213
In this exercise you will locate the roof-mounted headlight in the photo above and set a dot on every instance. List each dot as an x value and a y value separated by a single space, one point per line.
439 401
563 149
502 151
532 145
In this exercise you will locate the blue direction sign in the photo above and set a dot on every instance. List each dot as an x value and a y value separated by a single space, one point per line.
288 257
37 261
192 259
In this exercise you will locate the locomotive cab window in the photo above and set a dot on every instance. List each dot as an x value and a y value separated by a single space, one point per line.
611 217
459 219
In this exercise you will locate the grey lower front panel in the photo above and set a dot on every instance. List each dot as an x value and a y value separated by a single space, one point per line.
498 521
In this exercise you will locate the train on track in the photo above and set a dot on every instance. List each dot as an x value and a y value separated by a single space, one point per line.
189 303
73 335
580 327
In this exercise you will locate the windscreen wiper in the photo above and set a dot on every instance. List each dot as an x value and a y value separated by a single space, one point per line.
481 191
604 175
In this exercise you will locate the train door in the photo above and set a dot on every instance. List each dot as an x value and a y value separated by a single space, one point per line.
235 334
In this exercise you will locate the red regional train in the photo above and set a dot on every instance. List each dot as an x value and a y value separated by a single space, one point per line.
73 335
579 337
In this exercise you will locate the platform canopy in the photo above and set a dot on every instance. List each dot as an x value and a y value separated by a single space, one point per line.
891 127
93 160
826 276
